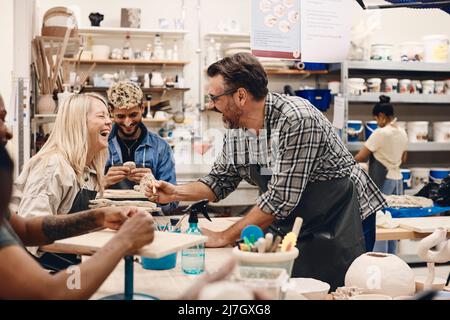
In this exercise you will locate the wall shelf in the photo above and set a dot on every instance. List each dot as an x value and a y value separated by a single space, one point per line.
145 90
283 72
130 62
373 97
231 35
393 66
425 146
131 31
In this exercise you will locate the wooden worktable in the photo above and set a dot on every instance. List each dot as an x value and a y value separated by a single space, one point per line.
170 284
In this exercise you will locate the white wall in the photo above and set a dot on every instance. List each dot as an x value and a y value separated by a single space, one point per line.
6 54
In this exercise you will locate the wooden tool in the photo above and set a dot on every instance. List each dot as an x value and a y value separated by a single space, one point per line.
269 241
297 226
275 244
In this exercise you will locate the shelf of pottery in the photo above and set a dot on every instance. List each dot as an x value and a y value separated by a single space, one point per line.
151 58
419 88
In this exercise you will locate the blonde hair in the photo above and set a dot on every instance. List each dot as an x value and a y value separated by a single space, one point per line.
125 95
69 138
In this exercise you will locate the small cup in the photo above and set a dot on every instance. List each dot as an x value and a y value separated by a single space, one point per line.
404 86
391 85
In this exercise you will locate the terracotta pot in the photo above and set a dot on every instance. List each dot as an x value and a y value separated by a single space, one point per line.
381 273
46 104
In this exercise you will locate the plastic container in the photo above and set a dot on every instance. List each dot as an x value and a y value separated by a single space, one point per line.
334 87
320 98
391 85
417 131
271 280
356 86
370 127
164 263
441 131
374 85
404 86
411 51
381 52
438 174
428 87
354 129
420 177
284 260
416 86
407 181
436 48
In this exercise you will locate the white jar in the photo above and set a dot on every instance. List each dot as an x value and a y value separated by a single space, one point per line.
436 48
428 87
391 85
381 52
374 85
439 87
356 86
411 51
334 87
404 86
417 131
441 131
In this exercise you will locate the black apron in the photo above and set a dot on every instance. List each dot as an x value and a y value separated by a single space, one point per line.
60 261
331 236
377 171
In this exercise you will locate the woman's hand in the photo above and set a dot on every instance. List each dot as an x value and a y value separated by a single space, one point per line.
138 230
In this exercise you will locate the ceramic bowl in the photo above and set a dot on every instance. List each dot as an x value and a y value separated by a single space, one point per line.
310 288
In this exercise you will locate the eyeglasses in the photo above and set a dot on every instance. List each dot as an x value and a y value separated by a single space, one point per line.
214 98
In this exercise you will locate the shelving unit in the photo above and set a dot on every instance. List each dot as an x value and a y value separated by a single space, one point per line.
373 97
425 146
162 63
95 31
145 90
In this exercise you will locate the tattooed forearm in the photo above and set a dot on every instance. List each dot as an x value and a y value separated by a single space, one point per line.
65 226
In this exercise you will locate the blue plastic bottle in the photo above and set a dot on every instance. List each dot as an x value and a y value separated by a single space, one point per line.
193 258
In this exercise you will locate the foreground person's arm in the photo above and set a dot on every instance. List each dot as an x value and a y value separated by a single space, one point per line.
22 278
38 231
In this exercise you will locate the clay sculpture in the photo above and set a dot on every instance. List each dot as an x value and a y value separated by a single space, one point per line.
433 249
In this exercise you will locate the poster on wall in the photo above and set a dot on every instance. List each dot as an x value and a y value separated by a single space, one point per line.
301 29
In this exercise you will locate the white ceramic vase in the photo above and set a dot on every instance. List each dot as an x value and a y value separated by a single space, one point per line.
157 80
381 273
46 104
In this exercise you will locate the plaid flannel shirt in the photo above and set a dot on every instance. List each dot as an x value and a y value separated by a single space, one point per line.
297 146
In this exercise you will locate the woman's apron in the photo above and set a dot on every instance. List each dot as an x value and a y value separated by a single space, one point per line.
60 261
331 236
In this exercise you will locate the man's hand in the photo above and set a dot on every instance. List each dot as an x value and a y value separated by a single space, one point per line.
137 174
215 239
138 230
115 175
160 191
114 217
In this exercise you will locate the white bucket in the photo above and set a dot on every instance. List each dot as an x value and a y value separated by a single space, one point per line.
381 52
417 131
439 87
428 87
441 131
420 177
404 86
411 51
436 48
391 85
356 86
374 85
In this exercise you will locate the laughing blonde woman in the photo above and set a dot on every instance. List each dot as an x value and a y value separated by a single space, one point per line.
66 173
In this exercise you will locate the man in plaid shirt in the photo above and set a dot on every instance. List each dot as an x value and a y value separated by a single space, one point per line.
288 148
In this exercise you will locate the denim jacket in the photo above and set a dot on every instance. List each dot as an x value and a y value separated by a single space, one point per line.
153 153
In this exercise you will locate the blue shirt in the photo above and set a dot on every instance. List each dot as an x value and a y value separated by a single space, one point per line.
153 152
